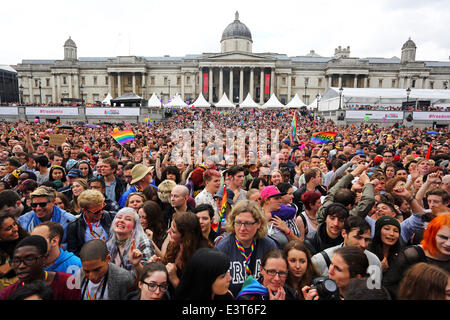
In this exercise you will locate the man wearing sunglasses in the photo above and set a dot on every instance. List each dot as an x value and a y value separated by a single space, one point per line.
44 209
93 223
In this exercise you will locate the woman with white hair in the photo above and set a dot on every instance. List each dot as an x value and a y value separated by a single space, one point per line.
127 234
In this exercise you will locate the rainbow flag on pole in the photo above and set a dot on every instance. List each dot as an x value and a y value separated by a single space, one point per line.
123 136
294 125
323 137
223 209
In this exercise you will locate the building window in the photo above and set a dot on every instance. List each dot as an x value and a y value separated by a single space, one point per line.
130 80
293 82
36 82
178 81
64 80
431 84
165 81
283 80
188 80
393 83
319 82
47 82
413 83
95 97
95 81
152 81
83 81
106 80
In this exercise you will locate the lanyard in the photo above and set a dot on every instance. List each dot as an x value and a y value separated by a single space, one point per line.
103 286
45 277
241 249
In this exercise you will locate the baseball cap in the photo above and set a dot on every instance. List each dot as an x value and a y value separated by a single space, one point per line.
270 191
71 163
74 173
230 195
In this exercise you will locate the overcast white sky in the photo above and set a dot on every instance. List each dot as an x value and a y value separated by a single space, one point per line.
377 28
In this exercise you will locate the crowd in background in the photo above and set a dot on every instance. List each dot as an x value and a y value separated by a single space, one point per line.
364 217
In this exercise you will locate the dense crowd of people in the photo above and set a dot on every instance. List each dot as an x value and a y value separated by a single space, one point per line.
169 217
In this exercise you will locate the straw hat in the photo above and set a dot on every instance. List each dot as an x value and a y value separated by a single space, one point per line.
138 172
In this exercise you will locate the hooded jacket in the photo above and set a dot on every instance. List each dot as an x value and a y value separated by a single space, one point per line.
66 262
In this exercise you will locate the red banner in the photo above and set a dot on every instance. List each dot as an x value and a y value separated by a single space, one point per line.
205 83
267 84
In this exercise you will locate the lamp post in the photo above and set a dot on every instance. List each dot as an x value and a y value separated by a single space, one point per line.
40 92
317 108
168 81
306 86
81 93
340 97
21 94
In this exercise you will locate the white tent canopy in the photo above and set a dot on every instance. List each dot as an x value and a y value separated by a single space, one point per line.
381 96
176 102
296 102
224 102
273 102
154 101
200 102
249 102
107 99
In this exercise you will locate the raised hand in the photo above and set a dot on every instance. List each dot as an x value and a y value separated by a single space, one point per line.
134 255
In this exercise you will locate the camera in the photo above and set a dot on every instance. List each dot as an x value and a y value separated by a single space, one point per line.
326 288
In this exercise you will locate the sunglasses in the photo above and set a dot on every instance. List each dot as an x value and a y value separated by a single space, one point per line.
95 212
40 204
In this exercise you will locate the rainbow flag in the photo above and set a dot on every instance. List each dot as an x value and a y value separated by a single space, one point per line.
294 125
123 136
223 209
323 137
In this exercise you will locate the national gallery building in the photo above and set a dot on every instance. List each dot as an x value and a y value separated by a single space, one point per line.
235 71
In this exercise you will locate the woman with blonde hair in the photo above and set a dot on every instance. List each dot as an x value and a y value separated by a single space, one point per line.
246 241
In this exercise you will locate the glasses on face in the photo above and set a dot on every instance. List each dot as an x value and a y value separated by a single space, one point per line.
28 261
40 204
152 286
273 273
245 224
96 212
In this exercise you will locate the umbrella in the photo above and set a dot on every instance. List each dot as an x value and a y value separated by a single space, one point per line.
65 127
91 125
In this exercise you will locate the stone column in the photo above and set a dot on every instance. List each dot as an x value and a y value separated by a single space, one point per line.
241 85
182 86
143 82
134 82
119 85
330 81
76 86
340 81
272 81
30 89
210 100
289 88
366 82
252 75
70 85
53 88
355 81
423 82
110 80
58 86
231 85
220 82
261 87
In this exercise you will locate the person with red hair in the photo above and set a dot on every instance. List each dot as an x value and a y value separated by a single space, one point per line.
306 221
433 249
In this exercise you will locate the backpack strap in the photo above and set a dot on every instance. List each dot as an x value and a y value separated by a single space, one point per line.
326 257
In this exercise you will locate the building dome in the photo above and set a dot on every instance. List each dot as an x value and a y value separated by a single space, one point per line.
69 43
236 29
409 44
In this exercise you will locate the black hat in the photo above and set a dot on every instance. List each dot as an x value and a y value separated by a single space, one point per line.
386 220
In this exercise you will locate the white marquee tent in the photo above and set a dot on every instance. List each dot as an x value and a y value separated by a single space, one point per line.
107 99
296 102
200 102
249 102
176 102
154 101
381 97
273 102
224 102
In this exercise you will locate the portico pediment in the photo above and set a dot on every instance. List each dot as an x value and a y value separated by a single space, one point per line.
236 58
